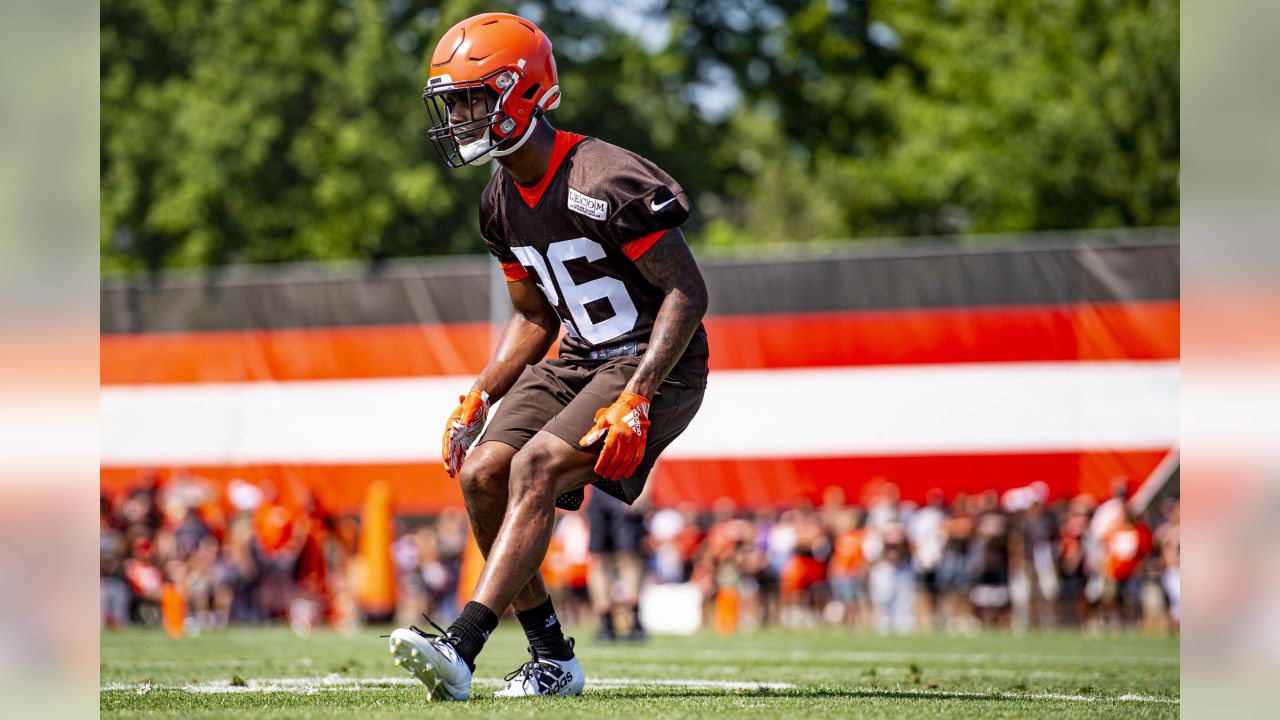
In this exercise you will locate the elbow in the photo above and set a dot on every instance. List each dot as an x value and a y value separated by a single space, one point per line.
700 305
698 299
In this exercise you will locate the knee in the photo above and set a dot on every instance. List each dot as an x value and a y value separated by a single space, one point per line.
483 478
533 473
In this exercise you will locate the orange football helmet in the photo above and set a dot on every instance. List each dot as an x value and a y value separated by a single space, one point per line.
495 61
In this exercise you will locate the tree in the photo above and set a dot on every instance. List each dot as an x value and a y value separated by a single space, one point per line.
278 130
271 130
941 116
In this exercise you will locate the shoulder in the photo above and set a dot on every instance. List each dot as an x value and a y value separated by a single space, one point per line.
610 182
603 166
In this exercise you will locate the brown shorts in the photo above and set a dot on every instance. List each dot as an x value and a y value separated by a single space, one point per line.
561 396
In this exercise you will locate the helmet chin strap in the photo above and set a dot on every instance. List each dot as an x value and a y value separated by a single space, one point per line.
485 149
523 139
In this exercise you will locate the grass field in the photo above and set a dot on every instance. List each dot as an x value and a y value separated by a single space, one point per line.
271 673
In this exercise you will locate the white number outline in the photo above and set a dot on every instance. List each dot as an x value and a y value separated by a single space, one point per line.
577 296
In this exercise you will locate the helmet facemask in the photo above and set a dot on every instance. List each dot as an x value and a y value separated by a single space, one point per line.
476 140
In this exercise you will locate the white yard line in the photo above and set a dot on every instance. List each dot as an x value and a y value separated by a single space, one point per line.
310 686
809 657
607 683
335 682
961 694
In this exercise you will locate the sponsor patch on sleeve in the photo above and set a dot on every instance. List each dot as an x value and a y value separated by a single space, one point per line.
587 205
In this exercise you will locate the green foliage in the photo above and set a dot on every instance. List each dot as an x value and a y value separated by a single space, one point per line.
270 130
943 116
278 130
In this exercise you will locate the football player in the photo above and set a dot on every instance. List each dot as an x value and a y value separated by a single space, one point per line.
588 236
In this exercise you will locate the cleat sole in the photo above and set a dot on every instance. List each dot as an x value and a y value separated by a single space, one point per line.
411 660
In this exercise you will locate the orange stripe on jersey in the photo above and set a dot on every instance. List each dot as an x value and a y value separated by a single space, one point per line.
514 271
641 245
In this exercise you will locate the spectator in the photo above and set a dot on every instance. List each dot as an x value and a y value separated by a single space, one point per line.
1039 532
1168 540
927 536
989 562
891 583
666 562
248 555
617 538
848 568
1073 562
1124 547
113 589
954 579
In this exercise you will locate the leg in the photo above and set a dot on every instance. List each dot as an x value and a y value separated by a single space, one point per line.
445 663
599 585
630 573
484 481
602 546
546 467
627 528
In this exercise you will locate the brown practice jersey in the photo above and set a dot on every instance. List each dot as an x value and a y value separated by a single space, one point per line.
578 233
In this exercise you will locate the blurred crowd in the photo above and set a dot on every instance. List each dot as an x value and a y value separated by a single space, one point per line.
234 555
240 554
987 560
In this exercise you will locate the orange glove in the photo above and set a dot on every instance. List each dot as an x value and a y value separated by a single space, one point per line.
462 429
623 425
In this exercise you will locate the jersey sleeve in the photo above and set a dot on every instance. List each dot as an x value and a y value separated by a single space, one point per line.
495 238
638 202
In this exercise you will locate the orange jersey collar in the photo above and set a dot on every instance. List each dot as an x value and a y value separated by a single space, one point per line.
564 142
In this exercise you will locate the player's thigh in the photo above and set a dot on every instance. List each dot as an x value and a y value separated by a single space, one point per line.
541 392
548 465
674 406
671 409
604 384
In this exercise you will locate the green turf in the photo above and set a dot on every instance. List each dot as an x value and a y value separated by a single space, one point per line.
835 673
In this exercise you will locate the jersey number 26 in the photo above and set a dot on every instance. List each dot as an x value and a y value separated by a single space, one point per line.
576 297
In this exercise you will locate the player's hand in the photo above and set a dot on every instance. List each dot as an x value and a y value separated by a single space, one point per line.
462 429
624 425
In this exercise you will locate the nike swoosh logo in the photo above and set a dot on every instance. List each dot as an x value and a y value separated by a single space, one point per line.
658 207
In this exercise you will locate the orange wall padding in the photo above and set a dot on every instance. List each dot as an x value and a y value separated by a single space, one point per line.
755 482
1128 331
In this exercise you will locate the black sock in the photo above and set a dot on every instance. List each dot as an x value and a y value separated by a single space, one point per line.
472 628
542 627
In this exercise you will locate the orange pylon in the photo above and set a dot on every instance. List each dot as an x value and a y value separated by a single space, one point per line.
376 588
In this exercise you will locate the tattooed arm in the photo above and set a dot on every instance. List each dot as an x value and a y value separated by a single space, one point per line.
670 266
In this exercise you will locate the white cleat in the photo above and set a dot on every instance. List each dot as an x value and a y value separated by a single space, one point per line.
434 661
544 676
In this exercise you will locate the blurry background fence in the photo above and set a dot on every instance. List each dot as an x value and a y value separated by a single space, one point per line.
961 368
